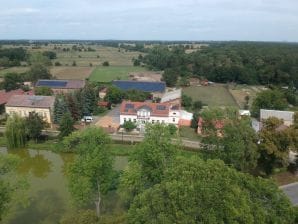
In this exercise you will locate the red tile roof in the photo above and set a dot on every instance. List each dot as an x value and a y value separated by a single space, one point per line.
31 101
157 109
5 96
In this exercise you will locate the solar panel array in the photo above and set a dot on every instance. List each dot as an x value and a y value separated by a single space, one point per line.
52 83
143 86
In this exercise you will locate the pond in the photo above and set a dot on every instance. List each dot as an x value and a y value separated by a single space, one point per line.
49 196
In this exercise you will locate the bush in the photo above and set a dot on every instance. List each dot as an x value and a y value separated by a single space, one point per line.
105 63
129 125
57 63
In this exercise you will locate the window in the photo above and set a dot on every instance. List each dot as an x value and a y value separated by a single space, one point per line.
157 121
143 122
173 119
124 119
129 119
163 121
134 120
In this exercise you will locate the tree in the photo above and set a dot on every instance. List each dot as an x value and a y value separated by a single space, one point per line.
269 99
186 101
105 63
197 191
149 162
197 105
129 125
74 63
34 125
15 132
66 125
12 81
50 54
275 145
170 76
73 105
114 95
239 146
39 68
88 99
12 188
91 172
60 108
43 91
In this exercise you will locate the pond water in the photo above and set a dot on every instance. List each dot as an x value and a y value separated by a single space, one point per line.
49 196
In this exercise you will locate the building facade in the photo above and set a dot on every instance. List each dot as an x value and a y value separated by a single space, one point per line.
23 105
144 112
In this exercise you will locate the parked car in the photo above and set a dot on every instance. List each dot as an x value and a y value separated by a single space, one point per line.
87 119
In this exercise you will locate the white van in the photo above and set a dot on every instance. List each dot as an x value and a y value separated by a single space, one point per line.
87 119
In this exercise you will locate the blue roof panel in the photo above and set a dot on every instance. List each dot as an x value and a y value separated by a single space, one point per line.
143 86
52 83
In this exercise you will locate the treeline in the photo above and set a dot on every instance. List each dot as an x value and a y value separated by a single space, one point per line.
12 56
247 63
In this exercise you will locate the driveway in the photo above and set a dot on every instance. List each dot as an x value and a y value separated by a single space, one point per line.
291 190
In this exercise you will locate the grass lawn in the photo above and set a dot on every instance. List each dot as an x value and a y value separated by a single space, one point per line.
189 133
110 73
213 96
19 69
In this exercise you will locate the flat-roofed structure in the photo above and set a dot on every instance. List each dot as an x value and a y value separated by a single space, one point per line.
286 116
61 86
23 105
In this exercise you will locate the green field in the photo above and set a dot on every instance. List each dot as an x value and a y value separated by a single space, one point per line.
215 95
110 73
20 69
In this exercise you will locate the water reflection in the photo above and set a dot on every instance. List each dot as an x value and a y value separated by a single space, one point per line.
33 162
45 207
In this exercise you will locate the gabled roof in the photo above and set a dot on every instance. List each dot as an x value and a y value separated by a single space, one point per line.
61 84
156 109
31 101
5 96
143 86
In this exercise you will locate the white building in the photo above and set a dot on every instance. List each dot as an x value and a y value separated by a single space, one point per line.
286 116
145 112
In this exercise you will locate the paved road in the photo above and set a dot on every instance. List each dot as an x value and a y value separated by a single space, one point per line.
291 190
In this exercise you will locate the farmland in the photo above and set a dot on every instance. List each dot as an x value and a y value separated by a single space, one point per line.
20 69
107 74
64 72
215 95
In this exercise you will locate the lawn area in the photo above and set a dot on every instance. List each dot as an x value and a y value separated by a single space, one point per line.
215 95
19 69
239 92
188 133
110 73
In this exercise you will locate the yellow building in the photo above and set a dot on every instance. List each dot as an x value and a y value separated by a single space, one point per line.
23 105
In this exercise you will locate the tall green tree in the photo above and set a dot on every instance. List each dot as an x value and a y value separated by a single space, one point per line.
39 68
34 125
197 191
91 173
149 161
89 99
74 106
114 95
275 145
60 108
12 81
15 132
66 125
170 76
269 99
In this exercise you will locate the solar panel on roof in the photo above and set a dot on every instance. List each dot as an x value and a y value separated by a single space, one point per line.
52 83
143 86
160 107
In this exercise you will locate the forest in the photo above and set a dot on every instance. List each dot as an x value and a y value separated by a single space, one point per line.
240 62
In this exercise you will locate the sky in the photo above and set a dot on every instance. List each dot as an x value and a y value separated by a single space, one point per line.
253 20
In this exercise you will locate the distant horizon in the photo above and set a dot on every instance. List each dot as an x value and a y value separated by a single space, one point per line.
149 40
213 20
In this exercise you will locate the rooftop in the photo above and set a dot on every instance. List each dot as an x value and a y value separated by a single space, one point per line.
285 115
32 101
61 84
143 86
5 96
171 95
156 109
